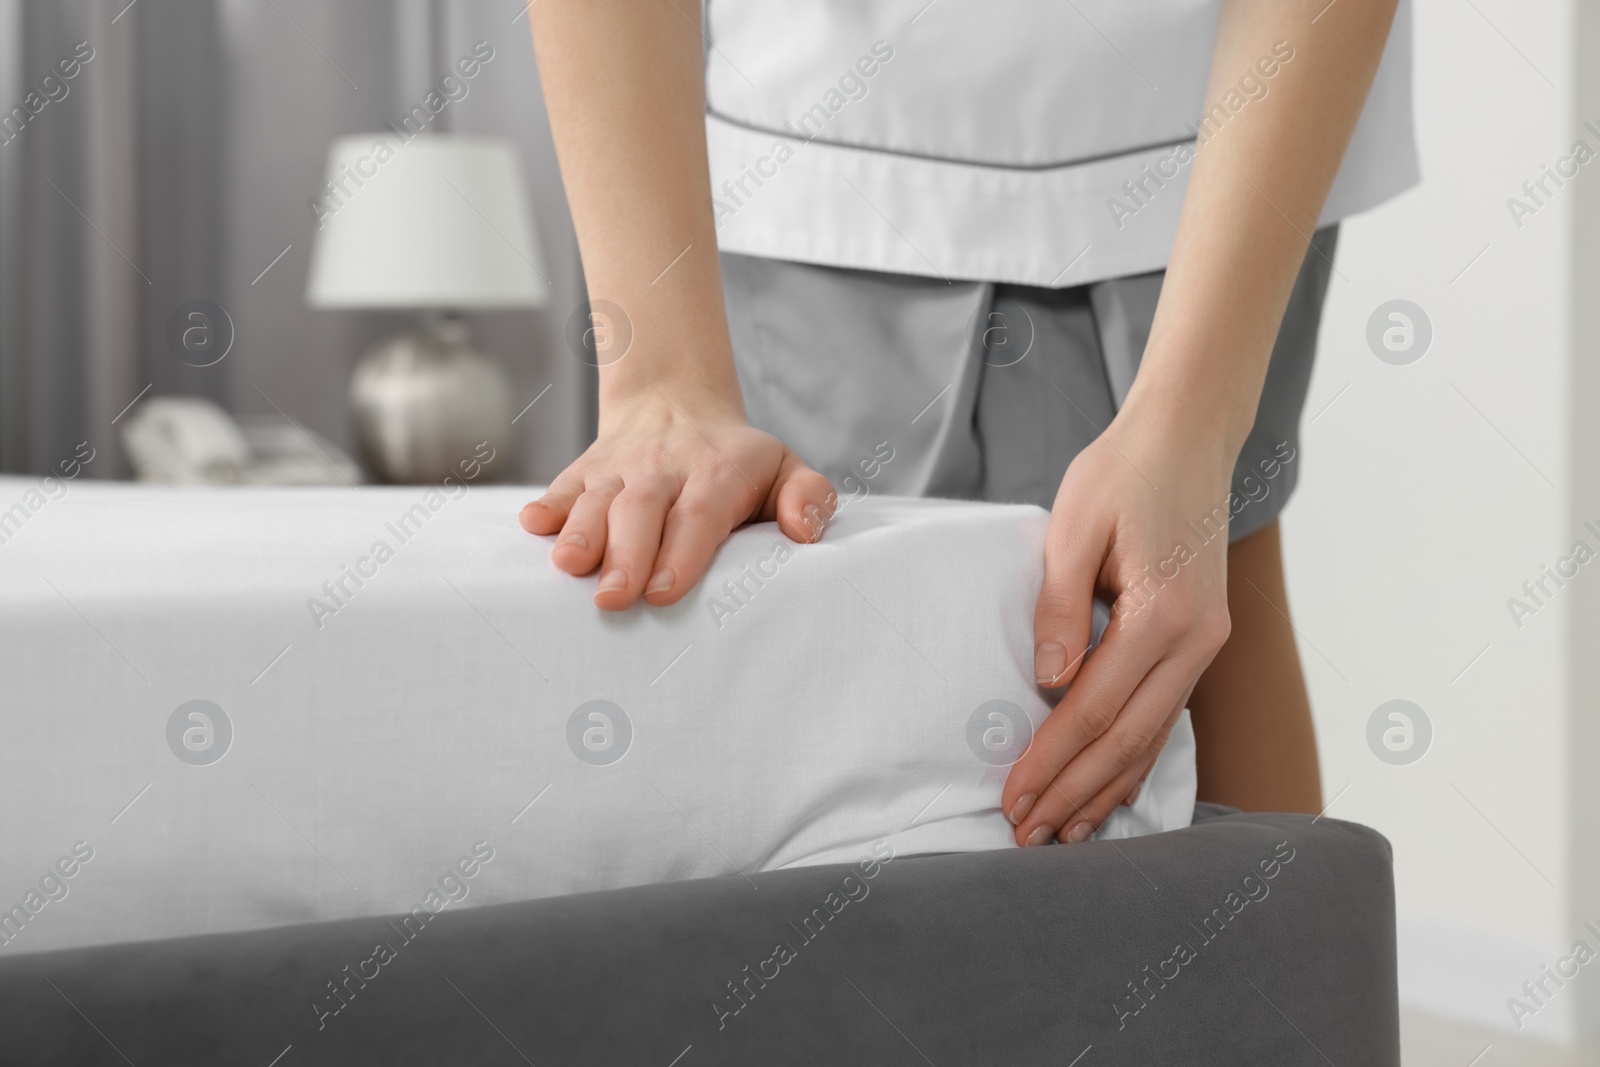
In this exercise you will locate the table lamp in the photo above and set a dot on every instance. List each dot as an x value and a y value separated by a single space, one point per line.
437 224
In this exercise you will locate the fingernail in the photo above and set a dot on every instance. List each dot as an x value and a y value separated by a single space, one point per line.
811 515
613 581
573 539
1049 661
661 582
1020 809
1040 835
1079 833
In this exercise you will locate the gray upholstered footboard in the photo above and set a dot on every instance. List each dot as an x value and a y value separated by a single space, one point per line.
1245 939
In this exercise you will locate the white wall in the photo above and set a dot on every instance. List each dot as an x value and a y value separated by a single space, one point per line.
1431 492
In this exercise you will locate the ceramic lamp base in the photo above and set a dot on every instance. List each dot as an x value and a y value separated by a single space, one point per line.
425 403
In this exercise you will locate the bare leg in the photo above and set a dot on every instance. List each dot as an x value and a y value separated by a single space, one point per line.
1252 717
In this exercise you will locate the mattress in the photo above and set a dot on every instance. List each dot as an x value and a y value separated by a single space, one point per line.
236 709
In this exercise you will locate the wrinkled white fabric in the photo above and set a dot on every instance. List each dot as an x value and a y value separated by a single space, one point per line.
379 738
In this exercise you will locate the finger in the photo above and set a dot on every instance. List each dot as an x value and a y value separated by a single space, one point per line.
699 521
633 534
545 515
1134 740
802 500
1178 711
1126 655
1133 795
583 535
1088 789
1073 557
1085 821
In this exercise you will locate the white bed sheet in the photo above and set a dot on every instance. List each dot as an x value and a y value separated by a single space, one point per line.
422 720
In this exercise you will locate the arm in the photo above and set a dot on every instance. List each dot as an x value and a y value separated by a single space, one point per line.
675 466
1257 188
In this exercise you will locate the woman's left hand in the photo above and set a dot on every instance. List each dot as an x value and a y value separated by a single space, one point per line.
1139 496
1141 517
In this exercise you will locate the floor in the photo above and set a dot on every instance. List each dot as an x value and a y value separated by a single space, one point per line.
1426 1041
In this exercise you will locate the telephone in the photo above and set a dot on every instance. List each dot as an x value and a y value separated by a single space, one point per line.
189 440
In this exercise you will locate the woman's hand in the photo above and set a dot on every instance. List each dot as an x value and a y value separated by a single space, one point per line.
1128 501
676 467
1130 522
661 488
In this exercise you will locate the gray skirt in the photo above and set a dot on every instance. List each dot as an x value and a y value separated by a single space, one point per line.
919 387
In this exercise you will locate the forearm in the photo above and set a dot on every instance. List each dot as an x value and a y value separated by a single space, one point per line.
624 86
1256 191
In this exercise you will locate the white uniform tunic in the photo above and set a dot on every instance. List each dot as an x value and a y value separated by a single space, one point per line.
1040 142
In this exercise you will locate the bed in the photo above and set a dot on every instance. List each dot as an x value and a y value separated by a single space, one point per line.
355 776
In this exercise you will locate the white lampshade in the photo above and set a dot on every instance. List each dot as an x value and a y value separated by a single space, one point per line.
440 221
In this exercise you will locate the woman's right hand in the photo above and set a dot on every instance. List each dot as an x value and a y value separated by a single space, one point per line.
676 467
661 487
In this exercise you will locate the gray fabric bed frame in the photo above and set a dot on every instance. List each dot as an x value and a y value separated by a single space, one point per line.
1245 939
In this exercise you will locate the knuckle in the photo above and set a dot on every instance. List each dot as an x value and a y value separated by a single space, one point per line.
1054 606
722 480
1214 627
624 506
1159 741
814 481
607 483
697 509
568 480
1136 618
564 490
1175 622
1068 810
1097 716
1133 743
638 497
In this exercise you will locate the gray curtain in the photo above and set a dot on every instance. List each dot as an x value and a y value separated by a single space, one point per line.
180 165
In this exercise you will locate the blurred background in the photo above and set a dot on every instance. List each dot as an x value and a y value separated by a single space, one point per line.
182 164
1448 470
1437 481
